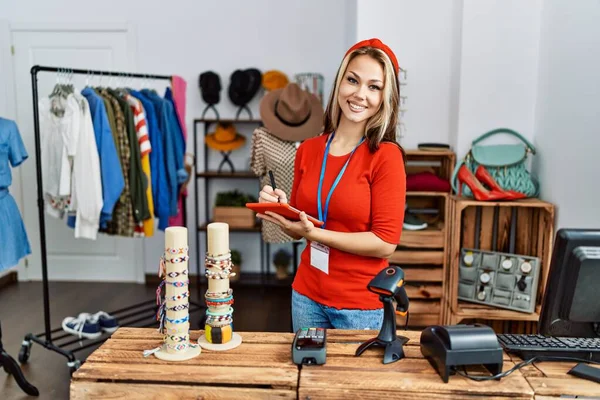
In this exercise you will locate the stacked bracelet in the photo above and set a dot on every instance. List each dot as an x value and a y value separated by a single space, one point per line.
218 295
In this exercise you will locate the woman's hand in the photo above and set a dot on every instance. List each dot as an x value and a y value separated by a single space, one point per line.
268 195
301 228
295 229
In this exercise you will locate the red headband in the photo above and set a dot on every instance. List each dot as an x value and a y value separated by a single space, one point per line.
378 44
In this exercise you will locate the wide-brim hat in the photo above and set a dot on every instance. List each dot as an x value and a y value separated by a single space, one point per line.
291 113
274 79
225 138
243 86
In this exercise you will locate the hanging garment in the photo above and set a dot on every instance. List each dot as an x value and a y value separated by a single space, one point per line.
136 179
122 223
58 134
180 137
173 158
13 237
110 166
271 153
160 187
86 194
141 130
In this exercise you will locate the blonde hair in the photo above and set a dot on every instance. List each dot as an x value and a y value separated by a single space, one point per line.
381 127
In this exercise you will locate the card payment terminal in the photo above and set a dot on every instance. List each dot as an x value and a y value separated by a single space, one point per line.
310 346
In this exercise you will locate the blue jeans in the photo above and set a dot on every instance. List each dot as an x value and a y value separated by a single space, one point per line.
307 313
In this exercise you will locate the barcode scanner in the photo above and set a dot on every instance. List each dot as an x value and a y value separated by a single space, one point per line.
389 285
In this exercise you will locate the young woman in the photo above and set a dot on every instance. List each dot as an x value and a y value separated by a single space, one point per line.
352 177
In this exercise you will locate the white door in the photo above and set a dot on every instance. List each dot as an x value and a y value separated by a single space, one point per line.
108 258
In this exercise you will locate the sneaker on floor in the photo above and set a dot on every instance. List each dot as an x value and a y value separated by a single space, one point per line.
107 322
412 223
82 326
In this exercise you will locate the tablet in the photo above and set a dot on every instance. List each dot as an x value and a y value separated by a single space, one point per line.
283 209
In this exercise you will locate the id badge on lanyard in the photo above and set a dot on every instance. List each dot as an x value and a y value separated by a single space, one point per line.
319 253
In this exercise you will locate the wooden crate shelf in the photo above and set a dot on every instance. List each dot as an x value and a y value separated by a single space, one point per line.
423 254
534 236
402 257
434 237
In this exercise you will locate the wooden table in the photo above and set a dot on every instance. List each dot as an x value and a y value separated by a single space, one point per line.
261 368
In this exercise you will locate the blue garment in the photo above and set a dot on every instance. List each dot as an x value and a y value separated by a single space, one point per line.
160 186
110 166
307 313
14 243
179 140
161 107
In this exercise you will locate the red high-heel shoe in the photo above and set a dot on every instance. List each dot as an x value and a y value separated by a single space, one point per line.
465 176
484 176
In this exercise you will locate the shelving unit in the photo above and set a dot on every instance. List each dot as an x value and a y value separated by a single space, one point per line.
533 236
423 254
205 174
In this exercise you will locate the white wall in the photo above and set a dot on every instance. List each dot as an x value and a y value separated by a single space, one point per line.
425 36
498 74
567 132
189 37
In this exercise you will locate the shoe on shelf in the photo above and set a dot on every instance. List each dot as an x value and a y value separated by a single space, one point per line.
487 179
107 322
82 326
465 176
413 223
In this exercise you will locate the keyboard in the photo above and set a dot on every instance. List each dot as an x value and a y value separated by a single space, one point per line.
529 346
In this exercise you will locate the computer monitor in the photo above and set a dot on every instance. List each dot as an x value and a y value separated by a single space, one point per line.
571 303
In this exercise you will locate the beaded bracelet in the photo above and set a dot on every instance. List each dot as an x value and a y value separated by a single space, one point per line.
178 347
218 257
178 321
226 312
218 295
218 324
177 339
176 274
211 303
179 307
179 284
176 260
179 296
178 250
179 330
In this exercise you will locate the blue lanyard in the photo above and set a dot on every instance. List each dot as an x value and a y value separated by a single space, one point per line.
323 215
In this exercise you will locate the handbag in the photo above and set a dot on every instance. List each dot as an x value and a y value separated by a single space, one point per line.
505 162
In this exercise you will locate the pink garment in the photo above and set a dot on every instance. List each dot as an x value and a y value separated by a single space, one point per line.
179 86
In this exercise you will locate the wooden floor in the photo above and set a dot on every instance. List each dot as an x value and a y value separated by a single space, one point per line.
21 312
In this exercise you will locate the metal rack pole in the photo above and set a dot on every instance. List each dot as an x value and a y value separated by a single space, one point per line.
29 338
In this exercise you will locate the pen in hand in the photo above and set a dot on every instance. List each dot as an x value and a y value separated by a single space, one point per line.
273 183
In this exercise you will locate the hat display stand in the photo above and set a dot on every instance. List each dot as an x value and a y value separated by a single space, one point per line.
210 107
244 108
173 311
226 160
218 330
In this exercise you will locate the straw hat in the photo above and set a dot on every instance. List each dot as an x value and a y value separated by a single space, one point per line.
225 138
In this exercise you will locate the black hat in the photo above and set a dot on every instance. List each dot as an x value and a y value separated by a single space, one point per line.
244 85
210 87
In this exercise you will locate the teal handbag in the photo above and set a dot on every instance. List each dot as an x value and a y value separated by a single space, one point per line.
505 162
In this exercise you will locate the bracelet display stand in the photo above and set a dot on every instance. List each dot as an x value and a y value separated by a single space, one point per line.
218 330
173 312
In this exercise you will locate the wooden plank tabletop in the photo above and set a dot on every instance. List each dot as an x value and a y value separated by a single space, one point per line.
260 367
550 380
345 376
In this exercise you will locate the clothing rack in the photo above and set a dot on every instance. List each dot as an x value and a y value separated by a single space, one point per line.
126 316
